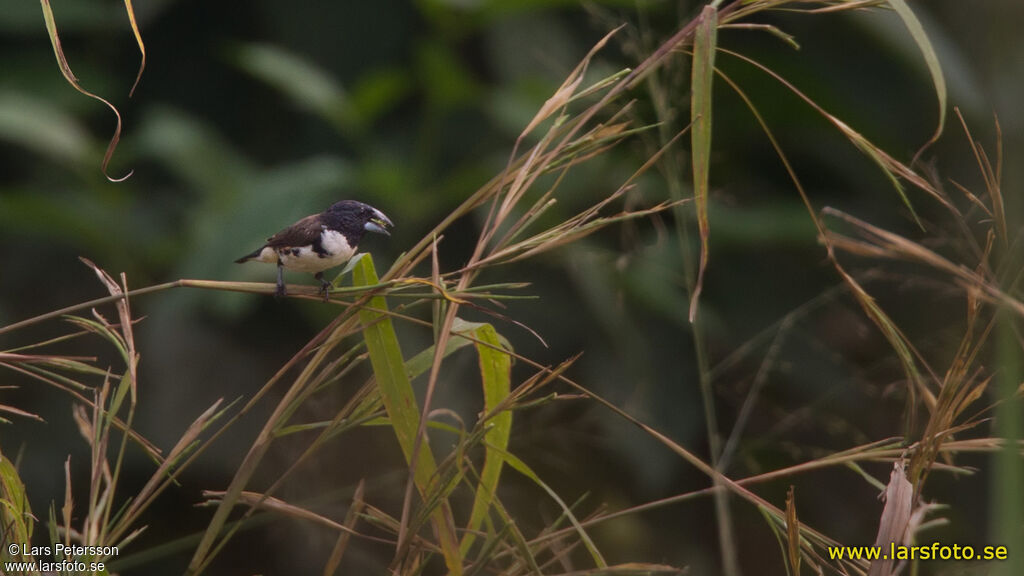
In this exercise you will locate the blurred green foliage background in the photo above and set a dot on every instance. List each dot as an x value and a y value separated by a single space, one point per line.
251 115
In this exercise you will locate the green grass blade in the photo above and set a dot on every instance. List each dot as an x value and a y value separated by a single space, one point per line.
779 537
930 57
104 331
700 134
123 387
496 374
400 403
1007 499
15 514
389 370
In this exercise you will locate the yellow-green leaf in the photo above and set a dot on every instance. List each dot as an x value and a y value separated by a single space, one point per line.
389 370
700 134
15 514
930 57
496 375
400 403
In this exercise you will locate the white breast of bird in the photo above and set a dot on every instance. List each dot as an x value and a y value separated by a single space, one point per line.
304 259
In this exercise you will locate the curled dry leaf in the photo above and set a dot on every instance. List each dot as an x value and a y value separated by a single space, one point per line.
892 527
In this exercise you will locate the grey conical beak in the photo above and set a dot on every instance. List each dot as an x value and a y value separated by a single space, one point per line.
379 223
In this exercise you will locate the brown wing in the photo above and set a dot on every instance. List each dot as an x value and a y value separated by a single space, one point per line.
302 233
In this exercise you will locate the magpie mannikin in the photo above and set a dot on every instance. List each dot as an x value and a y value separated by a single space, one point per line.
320 241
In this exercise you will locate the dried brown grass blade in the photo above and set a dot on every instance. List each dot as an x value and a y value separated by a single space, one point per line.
19 412
991 177
69 506
138 40
351 517
159 477
273 504
525 173
65 69
883 243
792 533
899 503
891 332
891 168
124 312
565 92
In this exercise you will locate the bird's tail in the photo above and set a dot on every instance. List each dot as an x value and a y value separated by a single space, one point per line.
247 257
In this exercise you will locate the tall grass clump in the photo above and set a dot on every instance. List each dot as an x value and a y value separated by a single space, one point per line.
454 516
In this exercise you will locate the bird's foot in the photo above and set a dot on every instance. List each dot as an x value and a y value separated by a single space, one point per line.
325 286
281 290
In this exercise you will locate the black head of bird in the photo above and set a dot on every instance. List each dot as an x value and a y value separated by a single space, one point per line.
320 241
